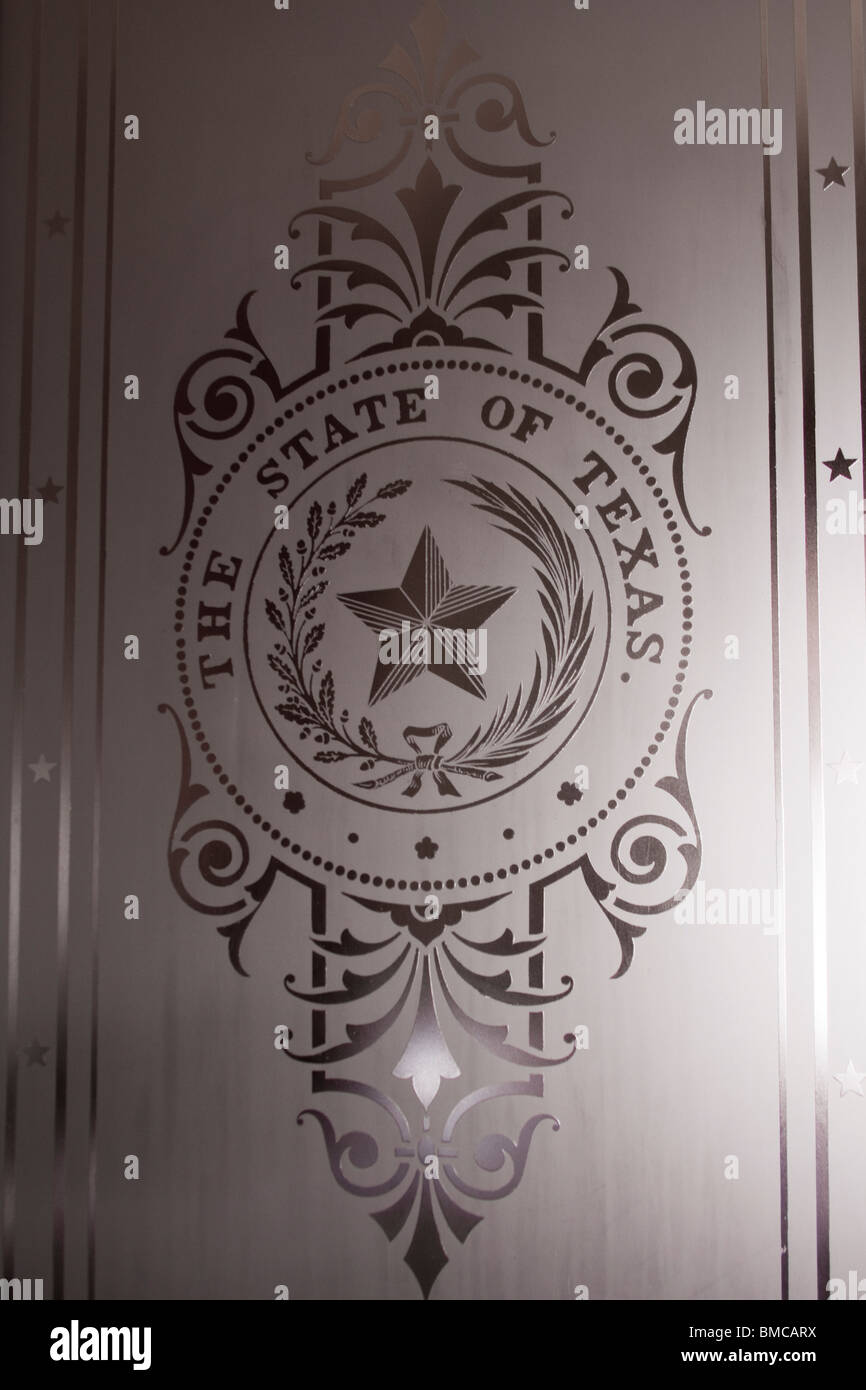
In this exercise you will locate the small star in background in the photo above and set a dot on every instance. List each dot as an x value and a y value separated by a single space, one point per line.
426 848
57 224
834 173
41 770
49 492
569 793
840 467
846 770
851 1080
35 1054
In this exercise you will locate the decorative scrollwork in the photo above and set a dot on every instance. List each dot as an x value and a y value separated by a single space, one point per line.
221 862
423 983
642 851
215 400
426 288
646 853
429 79
425 1167
491 1153
440 958
638 375
362 1152
223 854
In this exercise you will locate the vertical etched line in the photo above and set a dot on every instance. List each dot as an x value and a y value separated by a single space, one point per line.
536 964
536 1017
781 947
813 648
858 79
25 415
66 741
535 320
319 962
323 298
93 1094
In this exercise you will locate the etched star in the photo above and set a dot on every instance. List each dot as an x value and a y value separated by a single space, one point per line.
49 492
840 467
42 769
35 1053
834 173
426 599
57 224
846 770
851 1080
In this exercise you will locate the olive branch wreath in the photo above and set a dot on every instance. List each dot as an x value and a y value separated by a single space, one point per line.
293 659
519 723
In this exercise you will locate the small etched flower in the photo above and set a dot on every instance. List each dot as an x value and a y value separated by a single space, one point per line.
426 848
294 802
569 793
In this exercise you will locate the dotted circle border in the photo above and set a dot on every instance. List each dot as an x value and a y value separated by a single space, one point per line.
562 846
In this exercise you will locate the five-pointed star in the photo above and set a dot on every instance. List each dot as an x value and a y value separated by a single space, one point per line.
42 769
35 1054
846 770
840 467
49 492
57 224
834 173
851 1080
426 598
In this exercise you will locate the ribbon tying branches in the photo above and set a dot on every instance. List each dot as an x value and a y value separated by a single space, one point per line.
430 760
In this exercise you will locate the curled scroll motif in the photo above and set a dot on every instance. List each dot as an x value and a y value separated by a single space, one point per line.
647 852
360 1150
643 850
493 116
425 1190
496 1152
207 860
427 77
652 852
215 400
499 111
211 868
651 376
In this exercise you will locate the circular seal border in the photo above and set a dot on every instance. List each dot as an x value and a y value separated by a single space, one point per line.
561 846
